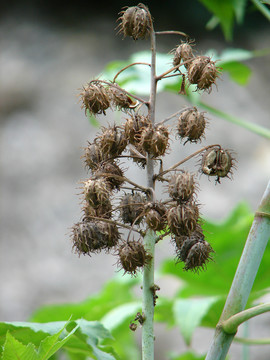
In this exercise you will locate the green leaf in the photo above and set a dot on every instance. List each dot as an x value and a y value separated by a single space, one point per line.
238 72
224 10
93 308
189 313
13 349
187 356
239 9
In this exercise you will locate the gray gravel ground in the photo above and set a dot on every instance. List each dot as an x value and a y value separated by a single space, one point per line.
42 132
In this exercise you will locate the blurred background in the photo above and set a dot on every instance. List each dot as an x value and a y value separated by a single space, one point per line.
49 49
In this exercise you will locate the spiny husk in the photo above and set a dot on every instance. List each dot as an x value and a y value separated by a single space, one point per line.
202 72
112 141
113 174
132 256
183 218
155 141
132 206
217 162
97 191
95 98
191 125
120 99
182 186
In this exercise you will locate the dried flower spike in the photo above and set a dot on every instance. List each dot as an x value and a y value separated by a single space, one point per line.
136 22
95 98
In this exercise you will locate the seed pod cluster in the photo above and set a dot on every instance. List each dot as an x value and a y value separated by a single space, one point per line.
138 209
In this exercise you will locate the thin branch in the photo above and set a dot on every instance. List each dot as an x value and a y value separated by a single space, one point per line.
126 67
184 160
174 115
172 69
113 222
171 32
262 8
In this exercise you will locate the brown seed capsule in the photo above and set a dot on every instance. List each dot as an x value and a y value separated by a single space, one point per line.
183 52
155 141
156 217
92 236
182 186
191 125
135 22
97 191
93 156
112 141
202 72
183 218
134 127
120 99
217 162
95 98
103 210
132 255
112 173
132 208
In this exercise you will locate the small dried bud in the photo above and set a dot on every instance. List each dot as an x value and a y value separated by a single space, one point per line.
132 255
95 98
217 162
155 141
134 127
203 72
133 326
182 219
156 217
183 52
182 186
97 191
120 99
93 156
112 173
136 22
112 141
191 125
93 236
132 207
101 211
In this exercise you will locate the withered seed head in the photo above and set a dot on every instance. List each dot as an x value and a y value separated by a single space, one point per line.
155 141
182 186
112 141
156 217
183 52
95 98
93 236
132 206
93 156
135 22
203 72
97 191
134 127
120 99
191 125
103 210
217 162
132 255
112 173
183 218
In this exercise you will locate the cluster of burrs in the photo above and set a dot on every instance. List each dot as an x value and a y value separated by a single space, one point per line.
141 140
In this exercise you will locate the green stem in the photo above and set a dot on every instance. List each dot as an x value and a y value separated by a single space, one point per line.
252 341
244 277
230 325
262 8
260 130
150 237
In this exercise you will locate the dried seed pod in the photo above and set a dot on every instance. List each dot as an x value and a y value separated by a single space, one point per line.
155 141
132 255
93 236
217 162
203 72
132 206
112 173
97 191
112 141
95 98
191 125
182 186
183 218
120 99
93 156
182 52
156 217
135 22
134 127
103 210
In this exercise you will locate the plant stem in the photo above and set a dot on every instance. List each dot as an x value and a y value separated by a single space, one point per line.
244 277
150 238
262 8
126 67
